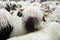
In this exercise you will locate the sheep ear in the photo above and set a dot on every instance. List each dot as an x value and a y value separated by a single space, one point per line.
5 32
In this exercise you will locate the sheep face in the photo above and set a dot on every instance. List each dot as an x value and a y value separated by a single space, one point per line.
32 16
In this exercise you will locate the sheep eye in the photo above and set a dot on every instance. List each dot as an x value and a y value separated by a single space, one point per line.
19 14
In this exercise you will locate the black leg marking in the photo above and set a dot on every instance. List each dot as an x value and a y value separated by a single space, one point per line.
5 32
30 24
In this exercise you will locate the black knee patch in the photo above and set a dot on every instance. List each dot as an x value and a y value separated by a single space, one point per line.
5 32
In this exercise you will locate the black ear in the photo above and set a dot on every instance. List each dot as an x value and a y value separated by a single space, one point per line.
5 32
7 8
19 14
30 24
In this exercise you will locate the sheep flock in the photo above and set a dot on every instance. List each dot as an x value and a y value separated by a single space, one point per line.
29 20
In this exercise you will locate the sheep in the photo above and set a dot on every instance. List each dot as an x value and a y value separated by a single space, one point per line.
10 25
32 17
51 11
54 15
16 21
51 31
5 27
23 24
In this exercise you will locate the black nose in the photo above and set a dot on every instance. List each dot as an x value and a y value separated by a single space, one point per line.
19 14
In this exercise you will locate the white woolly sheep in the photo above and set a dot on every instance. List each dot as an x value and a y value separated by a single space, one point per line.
29 22
54 15
32 17
51 31
10 25
5 27
16 21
